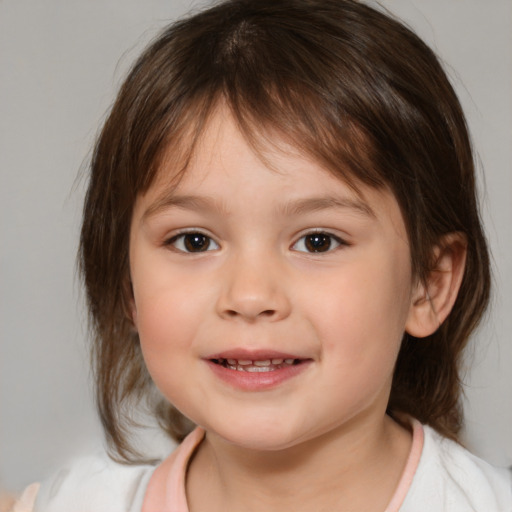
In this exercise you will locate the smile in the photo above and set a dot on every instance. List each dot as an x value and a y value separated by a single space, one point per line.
256 366
259 370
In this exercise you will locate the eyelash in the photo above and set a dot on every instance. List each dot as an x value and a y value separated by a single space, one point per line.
321 237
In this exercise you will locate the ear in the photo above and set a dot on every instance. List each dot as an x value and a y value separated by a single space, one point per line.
432 300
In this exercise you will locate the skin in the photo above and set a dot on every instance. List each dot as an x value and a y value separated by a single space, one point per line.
322 433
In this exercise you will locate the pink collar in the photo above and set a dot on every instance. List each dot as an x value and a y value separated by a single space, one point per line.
410 467
176 468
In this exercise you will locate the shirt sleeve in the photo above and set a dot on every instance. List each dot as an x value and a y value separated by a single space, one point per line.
94 483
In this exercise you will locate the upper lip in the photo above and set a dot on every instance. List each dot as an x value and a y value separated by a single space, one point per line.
253 355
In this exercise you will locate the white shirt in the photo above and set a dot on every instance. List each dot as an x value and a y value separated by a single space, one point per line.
441 477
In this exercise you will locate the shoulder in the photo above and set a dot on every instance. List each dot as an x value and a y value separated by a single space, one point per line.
95 483
451 478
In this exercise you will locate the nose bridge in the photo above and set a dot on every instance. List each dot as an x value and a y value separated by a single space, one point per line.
254 287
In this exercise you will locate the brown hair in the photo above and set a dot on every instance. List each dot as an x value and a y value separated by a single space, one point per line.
346 84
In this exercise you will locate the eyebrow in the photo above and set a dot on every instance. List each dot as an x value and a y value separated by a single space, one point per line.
312 204
186 202
293 207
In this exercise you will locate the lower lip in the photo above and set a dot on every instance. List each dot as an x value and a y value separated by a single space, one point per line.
257 381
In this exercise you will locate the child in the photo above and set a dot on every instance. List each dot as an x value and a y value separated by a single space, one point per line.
281 236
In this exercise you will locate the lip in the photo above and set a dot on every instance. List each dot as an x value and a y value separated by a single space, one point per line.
253 355
256 381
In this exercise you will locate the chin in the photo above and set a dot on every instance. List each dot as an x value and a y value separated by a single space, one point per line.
257 437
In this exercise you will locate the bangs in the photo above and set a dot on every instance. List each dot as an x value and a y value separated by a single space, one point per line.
280 85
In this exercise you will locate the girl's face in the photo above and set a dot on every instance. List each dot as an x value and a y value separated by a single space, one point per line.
270 302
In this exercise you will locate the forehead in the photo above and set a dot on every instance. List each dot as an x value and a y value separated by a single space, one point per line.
202 164
226 171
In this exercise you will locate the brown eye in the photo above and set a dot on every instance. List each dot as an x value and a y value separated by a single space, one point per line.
196 242
317 242
193 242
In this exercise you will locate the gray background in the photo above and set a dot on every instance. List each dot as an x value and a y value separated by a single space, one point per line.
61 62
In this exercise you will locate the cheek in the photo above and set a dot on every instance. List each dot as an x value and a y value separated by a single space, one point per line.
167 339
362 318
167 315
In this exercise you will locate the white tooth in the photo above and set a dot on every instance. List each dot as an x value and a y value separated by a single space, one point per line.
277 361
244 361
255 369
289 361
231 361
265 362
232 367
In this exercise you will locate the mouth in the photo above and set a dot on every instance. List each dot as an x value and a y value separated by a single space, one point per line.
256 365
256 370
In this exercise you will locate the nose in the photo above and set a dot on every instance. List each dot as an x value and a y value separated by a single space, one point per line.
253 290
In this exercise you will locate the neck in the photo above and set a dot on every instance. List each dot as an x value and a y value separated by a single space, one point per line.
330 472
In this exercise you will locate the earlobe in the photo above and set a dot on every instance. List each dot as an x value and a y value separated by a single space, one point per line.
432 300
